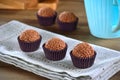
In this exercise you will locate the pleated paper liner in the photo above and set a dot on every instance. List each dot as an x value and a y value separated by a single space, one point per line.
46 21
29 46
66 26
82 62
55 55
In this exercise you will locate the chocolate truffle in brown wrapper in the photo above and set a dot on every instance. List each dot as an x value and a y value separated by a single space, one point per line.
29 40
55 49
83 55
67 21
46 16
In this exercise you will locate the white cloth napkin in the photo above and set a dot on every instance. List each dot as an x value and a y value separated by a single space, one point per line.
106 64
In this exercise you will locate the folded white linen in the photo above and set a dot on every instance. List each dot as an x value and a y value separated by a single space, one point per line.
105 65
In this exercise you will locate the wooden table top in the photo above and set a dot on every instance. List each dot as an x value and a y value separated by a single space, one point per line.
10 72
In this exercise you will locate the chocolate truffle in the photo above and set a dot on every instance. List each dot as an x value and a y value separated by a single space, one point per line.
83 50
46 12
67 17
29 36
29 40
55 44
55 49
83 55
67 21
46 16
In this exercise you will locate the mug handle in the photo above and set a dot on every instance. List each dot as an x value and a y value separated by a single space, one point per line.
117 27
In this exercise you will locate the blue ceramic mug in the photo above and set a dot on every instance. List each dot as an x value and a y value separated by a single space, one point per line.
103 18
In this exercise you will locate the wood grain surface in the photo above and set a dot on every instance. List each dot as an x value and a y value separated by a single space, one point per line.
27 4
10 72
